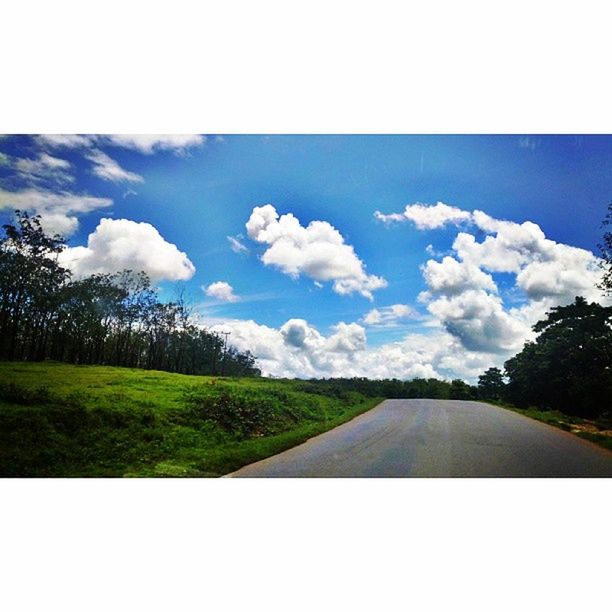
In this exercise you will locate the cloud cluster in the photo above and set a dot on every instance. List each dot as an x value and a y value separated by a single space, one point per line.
298 349
463 297
58 210
118 244
222 291
38 184
469 326
317 251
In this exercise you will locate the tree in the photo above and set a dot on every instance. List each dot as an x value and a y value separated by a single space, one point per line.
606 254
114 319
460 390
569 366
491 384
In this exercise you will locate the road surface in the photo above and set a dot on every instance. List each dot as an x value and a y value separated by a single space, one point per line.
437 438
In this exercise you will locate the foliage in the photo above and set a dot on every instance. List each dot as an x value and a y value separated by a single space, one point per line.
114 319
462 391
606 253
491 384
391 388
58 419
569 366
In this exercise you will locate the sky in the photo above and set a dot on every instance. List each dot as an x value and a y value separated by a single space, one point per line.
333 255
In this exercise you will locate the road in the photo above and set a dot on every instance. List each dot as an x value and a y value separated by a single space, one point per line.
437 438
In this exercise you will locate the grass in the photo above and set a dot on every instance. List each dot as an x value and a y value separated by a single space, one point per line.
599 432
64 420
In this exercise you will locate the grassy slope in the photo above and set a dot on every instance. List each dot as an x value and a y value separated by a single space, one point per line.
63 420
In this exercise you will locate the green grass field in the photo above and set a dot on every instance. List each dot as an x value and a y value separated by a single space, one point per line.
64 420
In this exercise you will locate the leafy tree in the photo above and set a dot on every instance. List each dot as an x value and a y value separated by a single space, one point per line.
569 366
461 391
491 384
606 253
114 319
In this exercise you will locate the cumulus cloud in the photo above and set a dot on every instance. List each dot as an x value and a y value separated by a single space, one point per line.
478 320
118 244
298 350
317 251
463 297
108 169
222 291
451 277
58 211
389 316
426 216
237 245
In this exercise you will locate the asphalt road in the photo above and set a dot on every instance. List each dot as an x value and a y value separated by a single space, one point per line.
437 438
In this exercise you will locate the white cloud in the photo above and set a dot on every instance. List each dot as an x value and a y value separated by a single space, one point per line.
298 350
478 320
149 143
451 277
236 245
118 244
108 169
317 251
143 143
68 141
463 296
43 167
427 216
222 291
58 211
389 316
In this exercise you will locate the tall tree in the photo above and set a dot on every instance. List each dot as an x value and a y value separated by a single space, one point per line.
114 319
606 253
569 366
491 384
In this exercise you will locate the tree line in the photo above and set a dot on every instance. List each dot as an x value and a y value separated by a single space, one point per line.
107 319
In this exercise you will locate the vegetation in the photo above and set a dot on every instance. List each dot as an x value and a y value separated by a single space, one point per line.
569 366
64 420
606 253
391 388
598 431
114 319
491 384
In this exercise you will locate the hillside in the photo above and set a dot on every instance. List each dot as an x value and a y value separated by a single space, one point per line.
65 420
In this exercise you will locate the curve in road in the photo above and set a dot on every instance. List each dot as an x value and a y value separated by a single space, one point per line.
438 438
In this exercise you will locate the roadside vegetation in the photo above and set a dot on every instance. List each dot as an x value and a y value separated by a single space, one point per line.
65 420
110 319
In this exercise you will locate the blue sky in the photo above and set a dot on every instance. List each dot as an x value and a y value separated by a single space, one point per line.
452 318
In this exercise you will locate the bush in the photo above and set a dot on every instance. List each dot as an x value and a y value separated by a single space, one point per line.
246 416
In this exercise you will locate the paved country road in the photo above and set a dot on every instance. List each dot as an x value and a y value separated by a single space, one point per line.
438 438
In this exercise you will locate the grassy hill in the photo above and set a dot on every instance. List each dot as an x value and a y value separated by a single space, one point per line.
65 420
